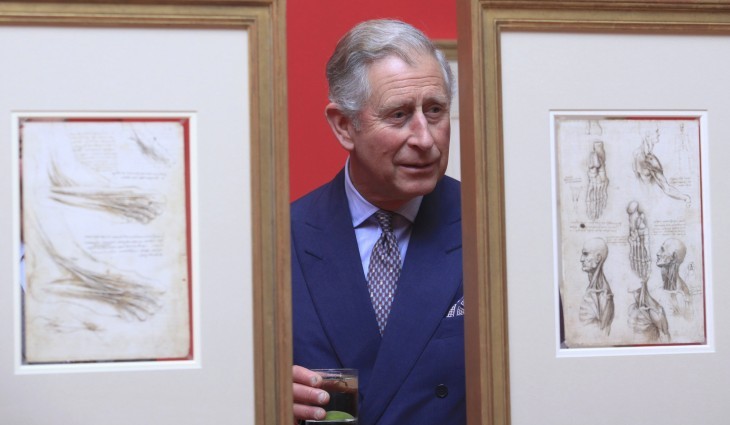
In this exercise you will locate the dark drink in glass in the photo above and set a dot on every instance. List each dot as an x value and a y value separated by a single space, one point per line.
341 384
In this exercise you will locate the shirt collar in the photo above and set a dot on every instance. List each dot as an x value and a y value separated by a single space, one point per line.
361 209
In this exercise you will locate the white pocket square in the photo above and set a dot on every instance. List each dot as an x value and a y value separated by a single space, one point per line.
457 309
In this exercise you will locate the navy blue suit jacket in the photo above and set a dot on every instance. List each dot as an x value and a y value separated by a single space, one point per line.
414 374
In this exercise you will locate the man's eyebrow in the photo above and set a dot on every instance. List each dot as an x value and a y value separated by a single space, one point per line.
392 106
397 104
440 98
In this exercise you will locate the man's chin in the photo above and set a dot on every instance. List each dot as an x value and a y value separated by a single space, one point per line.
420 188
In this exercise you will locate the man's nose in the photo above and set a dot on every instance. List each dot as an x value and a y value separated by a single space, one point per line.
420 132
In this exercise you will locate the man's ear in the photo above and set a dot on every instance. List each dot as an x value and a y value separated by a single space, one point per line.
341 125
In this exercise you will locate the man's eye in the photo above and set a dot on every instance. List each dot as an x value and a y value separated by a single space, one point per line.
435 111
398 117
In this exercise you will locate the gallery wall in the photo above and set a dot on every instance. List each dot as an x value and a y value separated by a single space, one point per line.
313 29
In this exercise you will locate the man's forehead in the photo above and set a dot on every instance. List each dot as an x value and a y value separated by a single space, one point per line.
394 80
396 65
409 96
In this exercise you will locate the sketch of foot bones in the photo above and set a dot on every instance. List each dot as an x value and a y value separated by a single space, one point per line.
646 315
597 192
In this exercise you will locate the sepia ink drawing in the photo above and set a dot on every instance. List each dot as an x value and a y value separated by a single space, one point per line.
669 259
646 315
630 186
649 169
131 202
596 196
105 234
597 307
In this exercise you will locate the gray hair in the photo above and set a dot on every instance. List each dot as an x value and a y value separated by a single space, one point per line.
366 43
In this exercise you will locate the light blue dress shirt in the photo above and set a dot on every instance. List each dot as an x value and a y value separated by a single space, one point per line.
366 228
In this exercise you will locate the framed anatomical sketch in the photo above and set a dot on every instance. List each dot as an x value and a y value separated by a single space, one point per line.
594 167
630 228
145 203
105 236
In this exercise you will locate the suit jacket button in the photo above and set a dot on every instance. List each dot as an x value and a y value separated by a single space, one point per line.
442 390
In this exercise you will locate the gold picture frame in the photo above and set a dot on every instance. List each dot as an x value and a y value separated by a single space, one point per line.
489 31
264 23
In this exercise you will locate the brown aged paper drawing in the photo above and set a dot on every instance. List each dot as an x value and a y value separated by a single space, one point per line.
105 236
631 253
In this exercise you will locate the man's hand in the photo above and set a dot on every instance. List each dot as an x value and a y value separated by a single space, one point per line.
307 395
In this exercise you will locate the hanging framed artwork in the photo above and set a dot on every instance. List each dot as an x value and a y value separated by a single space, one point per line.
146 148
592 173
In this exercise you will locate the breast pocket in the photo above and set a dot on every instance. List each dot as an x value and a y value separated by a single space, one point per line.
450 327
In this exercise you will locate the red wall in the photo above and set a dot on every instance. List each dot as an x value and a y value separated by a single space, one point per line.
313 29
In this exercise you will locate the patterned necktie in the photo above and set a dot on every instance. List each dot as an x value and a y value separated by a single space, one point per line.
384 269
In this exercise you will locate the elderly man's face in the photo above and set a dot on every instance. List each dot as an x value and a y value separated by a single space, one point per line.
401 149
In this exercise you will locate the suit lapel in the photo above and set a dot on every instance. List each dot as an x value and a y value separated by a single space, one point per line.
429 282
333 271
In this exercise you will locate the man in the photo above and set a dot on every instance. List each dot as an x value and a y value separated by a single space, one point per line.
597 306
668 259
390 94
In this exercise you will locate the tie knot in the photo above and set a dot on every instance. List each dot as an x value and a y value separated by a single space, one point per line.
385 219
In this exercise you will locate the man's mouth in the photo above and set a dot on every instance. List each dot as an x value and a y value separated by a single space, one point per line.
419 166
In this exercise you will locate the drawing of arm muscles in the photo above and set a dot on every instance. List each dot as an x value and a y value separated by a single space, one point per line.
649 170
597 306
668 259
129 202
646 315
597 192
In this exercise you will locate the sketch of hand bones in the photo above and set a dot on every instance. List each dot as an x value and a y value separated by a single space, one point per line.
597 306
597 193
646 315
649 170
668 259
129 294
129 202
